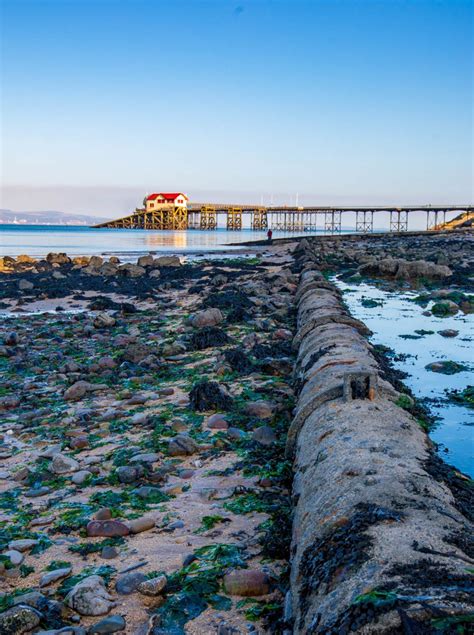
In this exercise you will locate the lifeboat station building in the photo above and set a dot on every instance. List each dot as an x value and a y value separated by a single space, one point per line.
159 200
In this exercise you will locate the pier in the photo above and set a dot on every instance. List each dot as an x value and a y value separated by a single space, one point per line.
290 219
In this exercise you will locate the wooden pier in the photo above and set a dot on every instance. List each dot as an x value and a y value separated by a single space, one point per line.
289 219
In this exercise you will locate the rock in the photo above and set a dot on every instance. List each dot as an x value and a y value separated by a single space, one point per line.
208 395
54 576
208 317
89 597
128 473
79 443
141 524
109 553
128 583
449 333
167 261
155 273
404 269
246 582
31 598
77 390
62 464
446 307
236 433
15 557
19 619
79 478
217 422
446 367
182 445
25 285
58 258
24 544
103 513
145 261
107 528
149 457
264 435
153 586
259 409
110 624
131 271
104 320
147 492
140 419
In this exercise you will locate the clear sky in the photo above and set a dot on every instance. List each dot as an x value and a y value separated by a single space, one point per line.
340 101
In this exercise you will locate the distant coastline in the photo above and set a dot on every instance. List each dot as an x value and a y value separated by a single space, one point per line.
47 217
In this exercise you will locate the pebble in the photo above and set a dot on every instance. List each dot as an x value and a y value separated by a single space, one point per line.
23 544
110 624
246 582
128 583
141 524
54 576
153 586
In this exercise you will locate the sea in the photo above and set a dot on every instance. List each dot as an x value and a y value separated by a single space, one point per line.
38 240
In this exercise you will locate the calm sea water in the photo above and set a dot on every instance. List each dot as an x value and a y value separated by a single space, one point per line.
397 317
38 240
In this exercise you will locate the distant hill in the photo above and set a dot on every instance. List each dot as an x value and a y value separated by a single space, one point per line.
48 218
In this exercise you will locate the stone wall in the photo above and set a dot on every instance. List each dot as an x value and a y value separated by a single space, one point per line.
381 529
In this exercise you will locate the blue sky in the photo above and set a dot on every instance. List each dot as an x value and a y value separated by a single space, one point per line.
339 101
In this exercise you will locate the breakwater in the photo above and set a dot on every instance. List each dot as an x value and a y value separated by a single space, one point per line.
381 529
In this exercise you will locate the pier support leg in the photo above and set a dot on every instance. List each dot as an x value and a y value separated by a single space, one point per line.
365 221
332 221
398 220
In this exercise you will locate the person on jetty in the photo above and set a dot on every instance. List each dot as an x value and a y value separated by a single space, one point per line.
269 236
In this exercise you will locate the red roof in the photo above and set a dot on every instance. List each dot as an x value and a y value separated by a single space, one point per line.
168 196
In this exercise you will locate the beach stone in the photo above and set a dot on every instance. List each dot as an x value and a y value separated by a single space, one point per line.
148 457
89 597
155 273
146 491
19 620
107 528
128 473
79 478
153 586
128 583
167 261
246 582
104 320
141 524
217 422
145 261
208 317
236 433
25 285
62 464
109 553
79 443
103 513
15 557
445 367
130 270
182 445
31 598
54 576
264 435
77 390
58 258
260 409
24 544
36 492
140 418
449 333
110 624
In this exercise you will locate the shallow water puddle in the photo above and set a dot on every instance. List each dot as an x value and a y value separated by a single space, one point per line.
397 316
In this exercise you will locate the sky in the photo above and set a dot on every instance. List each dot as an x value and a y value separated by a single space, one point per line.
323 101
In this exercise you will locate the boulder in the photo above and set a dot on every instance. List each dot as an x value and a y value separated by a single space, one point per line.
167 261
131 271
182 445
90 597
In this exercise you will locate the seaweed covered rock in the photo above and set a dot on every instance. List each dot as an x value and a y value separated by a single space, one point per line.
239 361
208 395
207 337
